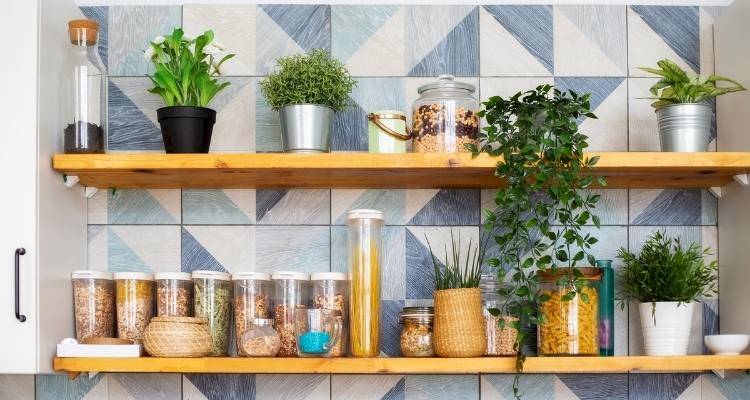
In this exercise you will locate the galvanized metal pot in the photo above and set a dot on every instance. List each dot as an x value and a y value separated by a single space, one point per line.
685 127
306 128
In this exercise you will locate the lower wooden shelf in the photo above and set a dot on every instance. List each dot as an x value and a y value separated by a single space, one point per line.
489 365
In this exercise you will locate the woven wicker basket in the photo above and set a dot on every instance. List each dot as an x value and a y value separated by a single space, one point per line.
459 323
177 337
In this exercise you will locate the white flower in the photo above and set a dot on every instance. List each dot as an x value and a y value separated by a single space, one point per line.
219 45
189 37
149 53
158 40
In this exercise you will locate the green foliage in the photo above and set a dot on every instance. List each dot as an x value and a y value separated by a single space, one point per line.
313 78
459 272
665 270
540 214
185 68
676 86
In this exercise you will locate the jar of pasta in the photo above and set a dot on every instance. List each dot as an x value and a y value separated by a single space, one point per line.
213 301
135 304
174 294
292 293
330 290
252 300
571 323
93 304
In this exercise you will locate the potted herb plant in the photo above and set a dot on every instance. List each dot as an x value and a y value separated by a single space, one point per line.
682 112
306 90
667 279
184 77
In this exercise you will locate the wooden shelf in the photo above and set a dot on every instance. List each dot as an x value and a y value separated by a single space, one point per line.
364 170
402 365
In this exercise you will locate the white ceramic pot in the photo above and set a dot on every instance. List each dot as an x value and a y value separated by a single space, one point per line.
666 330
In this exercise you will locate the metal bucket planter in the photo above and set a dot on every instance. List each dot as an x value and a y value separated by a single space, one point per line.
685 127
306 128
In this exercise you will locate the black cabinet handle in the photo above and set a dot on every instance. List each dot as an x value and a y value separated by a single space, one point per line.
19 252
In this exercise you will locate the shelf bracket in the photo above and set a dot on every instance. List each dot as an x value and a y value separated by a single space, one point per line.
721 373
716 191
742 179
70 180
89 192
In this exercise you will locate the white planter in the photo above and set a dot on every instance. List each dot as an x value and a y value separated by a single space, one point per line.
670 334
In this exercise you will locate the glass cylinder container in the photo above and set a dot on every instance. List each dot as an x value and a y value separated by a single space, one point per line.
252 301
330 290
93 304
387 132
570 326
416 334
174 294
606 308
135 304
444 117
85 106
364 234
292 293
500 339
318 331
213 301
259 339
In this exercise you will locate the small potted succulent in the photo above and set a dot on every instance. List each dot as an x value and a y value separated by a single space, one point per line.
667 279
684 117
184 77
306 90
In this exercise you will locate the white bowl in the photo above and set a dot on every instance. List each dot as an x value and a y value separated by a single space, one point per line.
727 345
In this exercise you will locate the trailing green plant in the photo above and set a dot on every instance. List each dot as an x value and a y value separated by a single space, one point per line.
540 215
185 68
313 78
461 271
677 86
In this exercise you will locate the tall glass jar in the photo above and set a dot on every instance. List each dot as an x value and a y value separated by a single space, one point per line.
501 338
444 117
571 326
364 263
93 304
292 293
85 105
330 290
135 304
252 300
174 294
213 301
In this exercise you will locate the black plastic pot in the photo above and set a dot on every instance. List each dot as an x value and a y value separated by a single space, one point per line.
186 129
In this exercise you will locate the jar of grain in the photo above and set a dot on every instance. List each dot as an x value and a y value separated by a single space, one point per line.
501 336
444 118
292 293
330 290
260 339
252 300
93 304
135 304
174 294
416 334
213 301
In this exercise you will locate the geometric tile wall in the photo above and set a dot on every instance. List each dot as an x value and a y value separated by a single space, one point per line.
390 50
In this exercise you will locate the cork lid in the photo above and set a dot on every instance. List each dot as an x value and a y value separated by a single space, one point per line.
83 31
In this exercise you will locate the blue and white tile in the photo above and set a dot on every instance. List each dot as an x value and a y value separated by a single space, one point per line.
672 207
368 387
369 39
219 248
590 40
296 248
100 14
507 87
594 386
442 387
218 207
149 248
235 116
665 386
708 17
658 32
218 387
389 327
60 387
233 26
133 125
292 387
538 387
135 207
710 319
442 40
392 202
643 130
267 127
144 386
20 387
522 33
733 386
131 29
292 206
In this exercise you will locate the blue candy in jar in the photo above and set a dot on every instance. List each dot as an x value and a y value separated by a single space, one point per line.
314 342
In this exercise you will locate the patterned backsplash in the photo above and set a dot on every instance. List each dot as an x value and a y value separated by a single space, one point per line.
391 50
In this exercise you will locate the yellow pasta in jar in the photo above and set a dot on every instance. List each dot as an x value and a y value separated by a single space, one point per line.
571 326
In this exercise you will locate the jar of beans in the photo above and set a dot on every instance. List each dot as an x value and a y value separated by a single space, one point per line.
501 335
416 334
252 300
174 294
135 304
213 301
330 290
444 118
93 304
292 293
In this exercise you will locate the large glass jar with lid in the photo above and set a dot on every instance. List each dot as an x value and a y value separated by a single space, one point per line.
501 335
444 116
85 107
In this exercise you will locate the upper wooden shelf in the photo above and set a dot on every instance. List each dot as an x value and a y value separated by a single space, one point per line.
364 170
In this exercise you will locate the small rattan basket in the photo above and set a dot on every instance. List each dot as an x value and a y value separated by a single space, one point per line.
459 323
177 337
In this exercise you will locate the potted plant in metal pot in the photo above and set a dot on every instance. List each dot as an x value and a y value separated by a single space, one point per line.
684 117
184 77
667 279
306 90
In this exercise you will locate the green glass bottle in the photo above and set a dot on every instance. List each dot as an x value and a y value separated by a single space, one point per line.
606 308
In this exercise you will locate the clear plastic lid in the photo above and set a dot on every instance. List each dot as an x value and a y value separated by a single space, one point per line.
141 276
251 276
364 214
205 274
299 276
178 276
90 274
329 276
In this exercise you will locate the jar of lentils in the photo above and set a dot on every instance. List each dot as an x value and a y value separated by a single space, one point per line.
252 300
444 118
416 334
94 304
174 294
330 290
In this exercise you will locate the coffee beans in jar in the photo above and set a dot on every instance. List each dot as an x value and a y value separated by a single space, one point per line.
252 300
174 294
93 304
135 304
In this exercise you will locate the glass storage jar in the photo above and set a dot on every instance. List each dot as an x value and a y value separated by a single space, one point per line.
444 117
500 340
292 293
259 339
135 303
330 290
252 301
387 132
318 331
570 327
213 301
93 304
174 294
85 106
416 333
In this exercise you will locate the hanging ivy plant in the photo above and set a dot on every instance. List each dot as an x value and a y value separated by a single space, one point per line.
540 216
